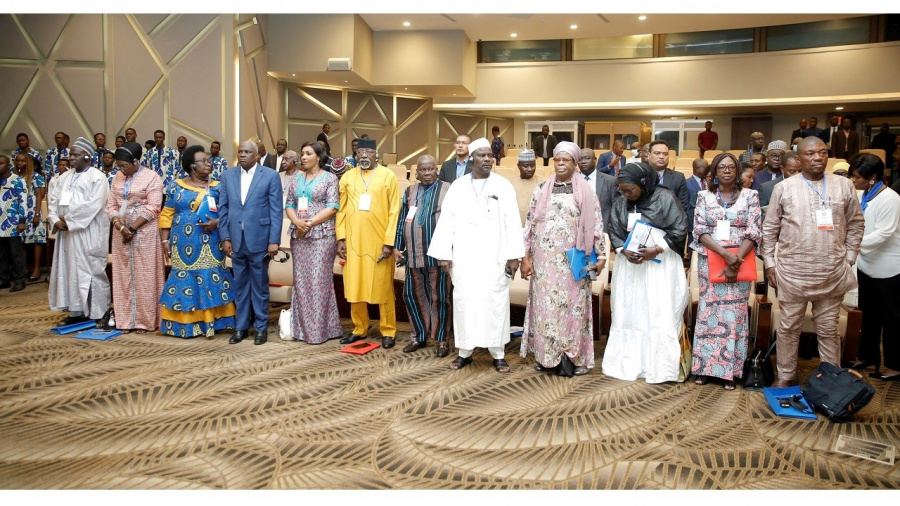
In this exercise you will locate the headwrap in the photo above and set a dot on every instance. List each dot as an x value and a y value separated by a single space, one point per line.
659 207
478 144
526 155
641 174
84 145
841 166
129 152
584 197
778 145
366 143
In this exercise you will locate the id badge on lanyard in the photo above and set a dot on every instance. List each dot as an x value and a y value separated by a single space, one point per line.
723 230
365 202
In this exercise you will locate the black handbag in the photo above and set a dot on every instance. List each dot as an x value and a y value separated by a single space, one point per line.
566 367
758 370
837 393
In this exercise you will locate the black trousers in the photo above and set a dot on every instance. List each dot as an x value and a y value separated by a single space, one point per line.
12 260
880 319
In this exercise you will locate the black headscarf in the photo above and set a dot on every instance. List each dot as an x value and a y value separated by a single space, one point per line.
658 206
129 152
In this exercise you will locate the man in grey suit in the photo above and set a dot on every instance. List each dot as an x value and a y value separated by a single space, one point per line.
604 184
250 215
659 160
460 165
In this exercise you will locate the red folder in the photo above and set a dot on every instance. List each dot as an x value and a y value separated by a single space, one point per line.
360 348
747 272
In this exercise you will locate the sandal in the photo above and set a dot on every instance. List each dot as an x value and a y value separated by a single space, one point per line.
701 380
539 368
729 385
460 362
581 371
501 366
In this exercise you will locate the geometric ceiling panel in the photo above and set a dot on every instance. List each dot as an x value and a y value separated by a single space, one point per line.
149 21
407 106
354 99
45 28
413 137
461 124
301 108
20 125
251 38
12 87
301 134
82 40
370 114
86 88
179 34
12 43
134 71
387 104
201 67
51 114
330 98
151 118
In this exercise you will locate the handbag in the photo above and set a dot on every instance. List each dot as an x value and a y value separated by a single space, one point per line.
284 325
566 367
747 271
837 393
758 370
687 357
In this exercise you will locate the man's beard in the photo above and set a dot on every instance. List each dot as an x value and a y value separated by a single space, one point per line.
365 163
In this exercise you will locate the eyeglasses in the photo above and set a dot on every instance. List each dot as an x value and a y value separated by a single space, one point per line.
560 159
727 168
204 161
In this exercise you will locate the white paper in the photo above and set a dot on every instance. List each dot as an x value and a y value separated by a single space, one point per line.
212 204
632 217
303 204
411 214
644 235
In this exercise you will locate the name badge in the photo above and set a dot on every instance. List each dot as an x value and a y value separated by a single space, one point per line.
723 230
303 204
411 214
365 202
824 221
212 204
632 218
65 198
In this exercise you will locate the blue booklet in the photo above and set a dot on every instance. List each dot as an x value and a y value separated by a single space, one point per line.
74 327
579 262
98 334
789 402
203 210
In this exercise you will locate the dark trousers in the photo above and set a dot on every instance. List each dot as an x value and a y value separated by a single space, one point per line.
251 289
12 260
880 319
426 292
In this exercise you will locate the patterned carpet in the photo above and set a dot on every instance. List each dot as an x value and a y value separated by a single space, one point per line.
150 412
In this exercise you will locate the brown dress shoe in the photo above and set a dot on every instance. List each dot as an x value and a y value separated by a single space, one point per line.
413 346
443 349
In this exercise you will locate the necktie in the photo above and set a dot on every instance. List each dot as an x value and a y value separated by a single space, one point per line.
702 184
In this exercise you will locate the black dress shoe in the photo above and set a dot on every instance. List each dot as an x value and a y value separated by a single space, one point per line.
4 284
73 319
861 364
443 349
237 337
16 287
387 342
261 337
413 346
352 338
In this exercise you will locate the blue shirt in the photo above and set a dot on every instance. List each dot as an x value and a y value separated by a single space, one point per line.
461 168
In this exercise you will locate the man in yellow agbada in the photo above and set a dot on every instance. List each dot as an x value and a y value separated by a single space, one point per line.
366 223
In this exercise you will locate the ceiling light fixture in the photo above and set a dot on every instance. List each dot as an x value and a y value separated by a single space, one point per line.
293 75
405 88
573 26
838 108
346 81
514 35
641 18
406 23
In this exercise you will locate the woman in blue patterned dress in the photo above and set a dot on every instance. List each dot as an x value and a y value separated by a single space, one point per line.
723 325
198 298
35 233
312 201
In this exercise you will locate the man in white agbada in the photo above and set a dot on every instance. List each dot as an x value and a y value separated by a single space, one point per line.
479 241
77 208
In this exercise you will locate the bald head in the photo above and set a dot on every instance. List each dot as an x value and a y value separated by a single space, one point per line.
248 154
426 170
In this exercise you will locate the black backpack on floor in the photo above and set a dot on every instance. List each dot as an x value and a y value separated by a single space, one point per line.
837 393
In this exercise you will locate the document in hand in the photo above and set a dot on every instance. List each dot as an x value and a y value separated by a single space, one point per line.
644 235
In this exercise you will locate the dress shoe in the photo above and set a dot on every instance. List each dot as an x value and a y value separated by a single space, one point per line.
413 346
16 287
781 384
74 319
4 284
237 337
387 342
352 338
859 365
443 349
261 337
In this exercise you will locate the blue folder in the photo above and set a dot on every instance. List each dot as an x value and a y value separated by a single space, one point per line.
773 396
203 211
98 334
75 327
579 261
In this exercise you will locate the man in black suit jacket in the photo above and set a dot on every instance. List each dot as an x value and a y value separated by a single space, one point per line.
604 184
846 141
265 159
326 128
542 140
659 160
799 132
459 164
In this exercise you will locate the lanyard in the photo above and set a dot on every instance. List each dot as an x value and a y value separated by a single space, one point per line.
824 188
126 188
364 179
75 178
420 193
734 194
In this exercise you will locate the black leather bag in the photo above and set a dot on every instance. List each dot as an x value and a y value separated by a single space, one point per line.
758 370
566 367
837 393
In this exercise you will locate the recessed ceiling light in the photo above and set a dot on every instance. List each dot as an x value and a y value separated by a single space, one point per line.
293 75
641 18
523 114
573 26
454 94
346 81
406 23
514 35
405 88
838 108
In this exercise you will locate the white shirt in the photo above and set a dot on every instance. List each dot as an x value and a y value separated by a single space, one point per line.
246 179
879 251
592 179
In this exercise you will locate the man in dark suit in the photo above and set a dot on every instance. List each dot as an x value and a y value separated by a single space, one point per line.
250 217
790 165
831 130
604 184
323 137
814 130
659 160
264 158
887 141
846 141
695 184
543 144
460 164
799 132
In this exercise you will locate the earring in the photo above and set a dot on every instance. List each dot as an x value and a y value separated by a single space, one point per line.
871 183
715 180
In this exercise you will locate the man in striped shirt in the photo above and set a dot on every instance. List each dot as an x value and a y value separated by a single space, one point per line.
426 289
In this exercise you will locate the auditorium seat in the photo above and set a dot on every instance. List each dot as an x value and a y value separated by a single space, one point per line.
389 158
877 152
829 166
399 170
710 154
737 152
689 153
682 164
